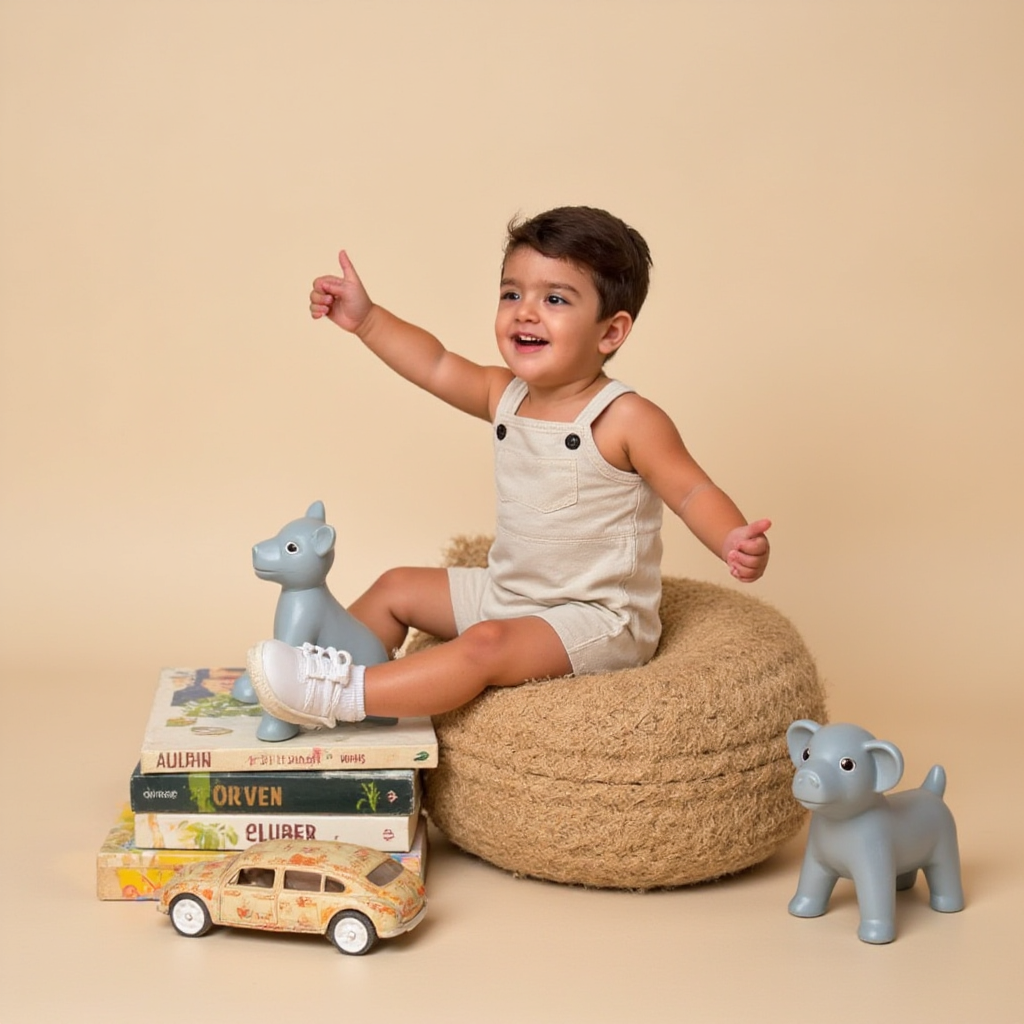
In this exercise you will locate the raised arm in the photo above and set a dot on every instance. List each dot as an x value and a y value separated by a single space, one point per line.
652 446
410 351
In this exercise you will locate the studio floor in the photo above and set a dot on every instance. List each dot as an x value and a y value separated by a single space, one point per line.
498 949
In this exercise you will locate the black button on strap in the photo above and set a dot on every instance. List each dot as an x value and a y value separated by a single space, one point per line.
572 442
501 431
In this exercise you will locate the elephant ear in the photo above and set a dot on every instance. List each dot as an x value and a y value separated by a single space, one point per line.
323 540
798 736
888 763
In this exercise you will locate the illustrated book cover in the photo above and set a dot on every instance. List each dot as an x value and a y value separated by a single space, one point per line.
383 791
196 725
125 871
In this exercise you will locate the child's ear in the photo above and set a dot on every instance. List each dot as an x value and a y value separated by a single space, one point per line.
616 332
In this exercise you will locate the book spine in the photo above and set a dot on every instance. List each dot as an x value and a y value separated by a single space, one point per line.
240 831
261 759
352 792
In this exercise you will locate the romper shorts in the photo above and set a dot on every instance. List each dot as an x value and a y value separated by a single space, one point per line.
594 637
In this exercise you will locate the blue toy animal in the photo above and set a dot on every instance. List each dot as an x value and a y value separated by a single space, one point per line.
879 842
299 559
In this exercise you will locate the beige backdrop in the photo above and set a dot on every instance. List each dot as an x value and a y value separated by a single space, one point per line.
832 193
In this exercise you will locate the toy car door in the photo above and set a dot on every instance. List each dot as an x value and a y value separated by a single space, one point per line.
307 900
249 899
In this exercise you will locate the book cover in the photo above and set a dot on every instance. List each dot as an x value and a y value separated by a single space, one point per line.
385 832
384 791
196 725
125 871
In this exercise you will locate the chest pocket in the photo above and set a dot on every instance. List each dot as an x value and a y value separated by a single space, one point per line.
544 485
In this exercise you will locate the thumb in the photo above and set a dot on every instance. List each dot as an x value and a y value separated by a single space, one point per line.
348 271
758 527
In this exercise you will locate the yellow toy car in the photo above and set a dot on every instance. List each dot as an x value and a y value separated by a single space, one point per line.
348 893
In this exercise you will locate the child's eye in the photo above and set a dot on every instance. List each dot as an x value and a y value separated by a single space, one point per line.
556 300
509 296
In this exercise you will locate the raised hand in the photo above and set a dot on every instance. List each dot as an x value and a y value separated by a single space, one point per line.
341 298
746 550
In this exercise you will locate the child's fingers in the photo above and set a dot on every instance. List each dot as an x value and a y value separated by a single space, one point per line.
747 572
753 545
753 541
746 575
748 566
329 284
746 559
320 303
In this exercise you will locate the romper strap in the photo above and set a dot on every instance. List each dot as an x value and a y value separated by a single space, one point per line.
597 405
511 398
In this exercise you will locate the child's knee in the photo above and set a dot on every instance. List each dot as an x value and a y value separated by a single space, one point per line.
491 647
509 651
486 640
390 580
392 589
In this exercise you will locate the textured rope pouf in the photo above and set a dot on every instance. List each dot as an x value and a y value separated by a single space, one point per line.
663 775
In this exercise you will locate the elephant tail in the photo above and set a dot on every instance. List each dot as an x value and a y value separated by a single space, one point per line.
935 782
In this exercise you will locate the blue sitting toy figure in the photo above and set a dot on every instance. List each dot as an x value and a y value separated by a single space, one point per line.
856 832
299 559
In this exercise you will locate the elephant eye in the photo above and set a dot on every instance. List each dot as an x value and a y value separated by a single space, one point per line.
291 547
847 764
806 754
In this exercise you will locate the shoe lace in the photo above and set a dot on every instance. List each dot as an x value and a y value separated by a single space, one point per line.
328 665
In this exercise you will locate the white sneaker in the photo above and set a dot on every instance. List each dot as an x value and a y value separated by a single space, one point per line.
303 685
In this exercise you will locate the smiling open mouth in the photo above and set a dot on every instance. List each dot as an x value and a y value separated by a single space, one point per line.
528 341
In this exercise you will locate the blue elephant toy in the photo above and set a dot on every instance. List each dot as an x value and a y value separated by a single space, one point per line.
879 842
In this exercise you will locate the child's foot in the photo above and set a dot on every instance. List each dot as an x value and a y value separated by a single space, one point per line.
307 685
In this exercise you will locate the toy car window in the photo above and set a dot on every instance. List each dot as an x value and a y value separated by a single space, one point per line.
303 881
333 885
262 877
386 871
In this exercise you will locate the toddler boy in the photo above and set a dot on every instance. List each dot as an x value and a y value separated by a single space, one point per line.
583 467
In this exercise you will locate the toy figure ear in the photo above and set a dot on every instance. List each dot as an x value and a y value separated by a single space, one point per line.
316 511
888 763
798 735
323 540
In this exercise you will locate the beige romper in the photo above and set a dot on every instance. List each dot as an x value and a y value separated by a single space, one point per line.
577 543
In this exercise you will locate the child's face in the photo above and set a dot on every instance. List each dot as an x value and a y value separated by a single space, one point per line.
547 328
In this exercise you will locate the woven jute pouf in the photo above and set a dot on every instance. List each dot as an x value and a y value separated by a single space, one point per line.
664 775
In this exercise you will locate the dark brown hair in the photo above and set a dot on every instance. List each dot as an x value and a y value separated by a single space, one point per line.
614 254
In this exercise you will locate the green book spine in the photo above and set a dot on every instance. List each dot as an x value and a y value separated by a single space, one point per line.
379 791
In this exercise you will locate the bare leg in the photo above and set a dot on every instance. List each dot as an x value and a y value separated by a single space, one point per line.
502 652
404 599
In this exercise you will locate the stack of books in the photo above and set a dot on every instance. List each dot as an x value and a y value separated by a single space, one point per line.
205 786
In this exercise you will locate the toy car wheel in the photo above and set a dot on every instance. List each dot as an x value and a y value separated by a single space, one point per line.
353 933
189 916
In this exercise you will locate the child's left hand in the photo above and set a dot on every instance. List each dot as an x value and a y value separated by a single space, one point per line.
746 550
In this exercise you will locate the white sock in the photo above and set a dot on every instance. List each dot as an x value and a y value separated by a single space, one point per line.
351 704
